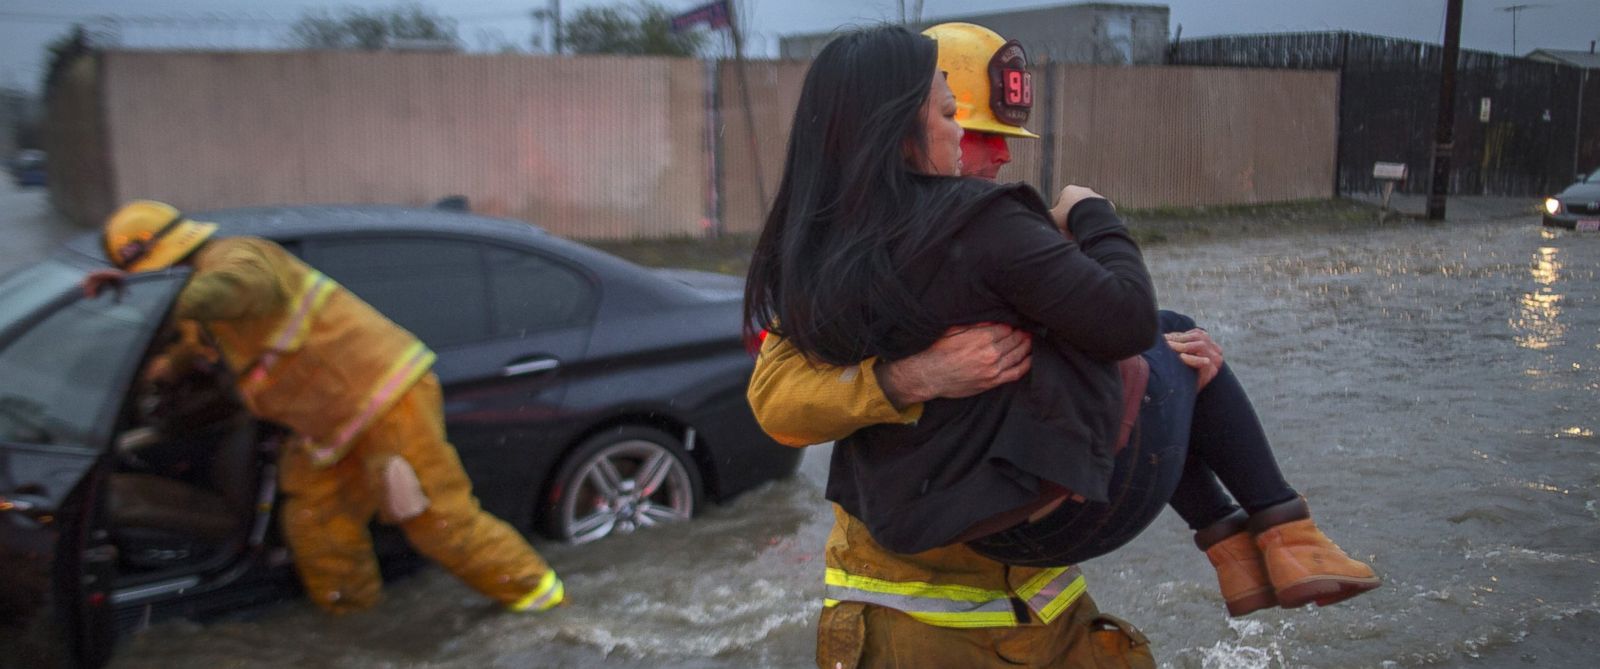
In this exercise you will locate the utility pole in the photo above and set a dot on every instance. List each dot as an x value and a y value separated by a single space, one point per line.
550 22
744 100
1514 10
1444 131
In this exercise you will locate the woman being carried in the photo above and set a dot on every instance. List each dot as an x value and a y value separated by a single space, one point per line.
874 248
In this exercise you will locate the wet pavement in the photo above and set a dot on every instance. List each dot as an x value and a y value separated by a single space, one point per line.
1430 388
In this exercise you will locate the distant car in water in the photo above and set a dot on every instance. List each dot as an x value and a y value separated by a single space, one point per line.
1577 207
586 396
28 168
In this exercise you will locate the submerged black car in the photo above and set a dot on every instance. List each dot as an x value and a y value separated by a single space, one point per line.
585 394
1577 207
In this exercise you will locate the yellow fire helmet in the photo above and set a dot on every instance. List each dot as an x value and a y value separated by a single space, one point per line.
145 235
989 77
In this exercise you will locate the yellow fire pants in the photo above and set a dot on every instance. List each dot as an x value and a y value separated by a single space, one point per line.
853 635
326 512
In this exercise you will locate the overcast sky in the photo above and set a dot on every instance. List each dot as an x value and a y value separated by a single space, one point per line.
27 25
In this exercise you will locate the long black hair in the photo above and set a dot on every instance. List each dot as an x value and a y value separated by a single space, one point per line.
851 214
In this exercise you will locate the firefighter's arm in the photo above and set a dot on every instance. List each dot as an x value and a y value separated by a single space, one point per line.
238 282
799 402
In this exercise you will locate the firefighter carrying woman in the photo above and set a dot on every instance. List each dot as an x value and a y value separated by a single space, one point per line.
1006 398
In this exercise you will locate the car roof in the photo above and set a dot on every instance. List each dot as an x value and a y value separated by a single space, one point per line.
327 220
280 223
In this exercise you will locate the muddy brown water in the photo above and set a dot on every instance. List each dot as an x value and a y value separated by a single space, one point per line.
1431 389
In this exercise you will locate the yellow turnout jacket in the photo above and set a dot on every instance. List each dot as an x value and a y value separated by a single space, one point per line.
308 354
799 402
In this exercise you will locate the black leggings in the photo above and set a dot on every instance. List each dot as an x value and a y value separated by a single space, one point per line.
1182 444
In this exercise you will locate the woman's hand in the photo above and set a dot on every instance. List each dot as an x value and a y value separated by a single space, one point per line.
1197 350
966 361
1070 196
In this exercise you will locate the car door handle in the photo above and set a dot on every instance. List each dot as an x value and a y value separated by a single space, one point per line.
533 366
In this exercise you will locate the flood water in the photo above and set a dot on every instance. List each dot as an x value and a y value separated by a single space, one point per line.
1430 389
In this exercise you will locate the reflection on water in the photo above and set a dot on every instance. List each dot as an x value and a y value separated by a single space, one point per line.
1540 308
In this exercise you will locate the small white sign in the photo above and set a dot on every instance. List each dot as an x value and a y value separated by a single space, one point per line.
1389 171
1483 111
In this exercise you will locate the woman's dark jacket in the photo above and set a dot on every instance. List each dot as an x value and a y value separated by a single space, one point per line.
1088 303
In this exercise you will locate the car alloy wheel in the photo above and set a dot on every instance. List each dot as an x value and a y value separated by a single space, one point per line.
623 480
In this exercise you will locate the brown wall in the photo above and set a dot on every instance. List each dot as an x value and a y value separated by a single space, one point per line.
616 148
1182 136
590 147
79 172
774 93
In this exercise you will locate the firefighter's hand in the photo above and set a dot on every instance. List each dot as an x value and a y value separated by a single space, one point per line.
1071 195
966 361
1197 350
99 280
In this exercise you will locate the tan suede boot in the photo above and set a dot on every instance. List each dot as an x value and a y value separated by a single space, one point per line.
1242 575
1304 565
1241 571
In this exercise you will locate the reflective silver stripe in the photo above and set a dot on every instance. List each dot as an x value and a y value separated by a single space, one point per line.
310 295
411 366
1048 594
315 290
549 593
942 605
912 603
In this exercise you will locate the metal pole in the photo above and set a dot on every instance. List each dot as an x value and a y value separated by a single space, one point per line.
1444 130
749 115
1047 129
555 11
1577 132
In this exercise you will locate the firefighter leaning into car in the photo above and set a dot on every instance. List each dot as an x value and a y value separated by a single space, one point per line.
948 606
359 393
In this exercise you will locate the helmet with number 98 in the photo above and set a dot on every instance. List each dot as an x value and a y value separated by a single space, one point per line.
989 77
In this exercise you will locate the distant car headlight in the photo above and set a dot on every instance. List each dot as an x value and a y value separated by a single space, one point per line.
1552 206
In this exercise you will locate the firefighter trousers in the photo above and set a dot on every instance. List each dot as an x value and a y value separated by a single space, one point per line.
402 470
853 635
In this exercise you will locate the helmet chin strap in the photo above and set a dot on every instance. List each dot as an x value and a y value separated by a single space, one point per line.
136 250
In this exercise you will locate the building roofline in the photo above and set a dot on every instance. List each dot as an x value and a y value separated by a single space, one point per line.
975 17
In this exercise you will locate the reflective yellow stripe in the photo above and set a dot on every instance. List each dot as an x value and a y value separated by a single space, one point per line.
1048 593
1051 591
315 290
399 378
550 593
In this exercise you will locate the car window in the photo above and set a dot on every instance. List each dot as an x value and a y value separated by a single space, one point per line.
24 291
433 287
532 293
59 377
